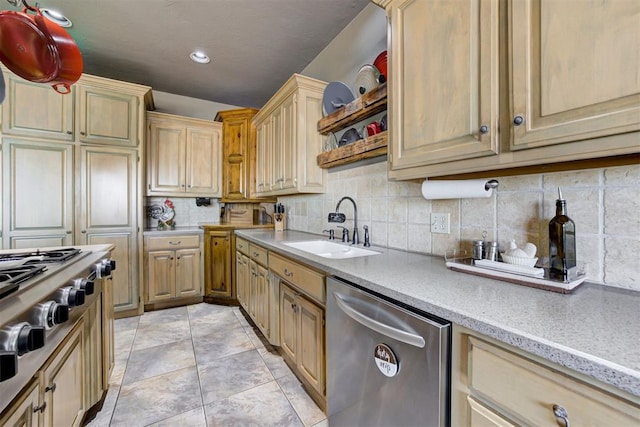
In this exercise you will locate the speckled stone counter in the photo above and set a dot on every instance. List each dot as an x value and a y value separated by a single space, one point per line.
594 331
177 230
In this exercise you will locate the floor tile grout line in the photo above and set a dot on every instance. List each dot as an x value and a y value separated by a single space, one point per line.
195 358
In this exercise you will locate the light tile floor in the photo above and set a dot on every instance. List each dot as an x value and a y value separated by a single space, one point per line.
201 365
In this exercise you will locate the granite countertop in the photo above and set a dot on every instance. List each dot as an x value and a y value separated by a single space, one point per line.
177 230
594 330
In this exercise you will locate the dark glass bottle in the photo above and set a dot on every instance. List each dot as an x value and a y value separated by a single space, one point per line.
562 242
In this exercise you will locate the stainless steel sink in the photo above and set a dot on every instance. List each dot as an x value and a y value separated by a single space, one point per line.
331 250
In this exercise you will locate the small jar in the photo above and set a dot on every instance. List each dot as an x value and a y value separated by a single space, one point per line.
491 252
477 249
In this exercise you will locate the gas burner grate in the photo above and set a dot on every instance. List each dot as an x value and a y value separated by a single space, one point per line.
46 256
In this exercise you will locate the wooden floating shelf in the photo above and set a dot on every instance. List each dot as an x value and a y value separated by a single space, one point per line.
365 106
372 146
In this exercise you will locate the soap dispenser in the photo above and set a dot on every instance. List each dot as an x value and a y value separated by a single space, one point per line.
562 242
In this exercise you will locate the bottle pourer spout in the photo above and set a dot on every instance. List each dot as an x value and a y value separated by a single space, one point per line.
560 194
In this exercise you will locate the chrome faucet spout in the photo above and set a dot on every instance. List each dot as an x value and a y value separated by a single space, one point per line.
356 239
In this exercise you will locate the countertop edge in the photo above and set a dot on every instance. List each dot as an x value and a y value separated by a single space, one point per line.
605 371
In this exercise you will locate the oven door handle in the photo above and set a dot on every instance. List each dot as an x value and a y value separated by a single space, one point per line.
382 328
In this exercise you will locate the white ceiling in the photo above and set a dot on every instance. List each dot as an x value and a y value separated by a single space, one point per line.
255 45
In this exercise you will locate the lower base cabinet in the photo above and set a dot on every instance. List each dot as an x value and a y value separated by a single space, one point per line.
173 268
218 245
496 385
26 410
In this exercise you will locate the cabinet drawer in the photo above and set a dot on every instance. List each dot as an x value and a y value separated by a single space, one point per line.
259 254
242 246
175 241
302 277
527 391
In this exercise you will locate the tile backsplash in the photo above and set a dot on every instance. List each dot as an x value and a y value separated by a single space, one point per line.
186 211
604 204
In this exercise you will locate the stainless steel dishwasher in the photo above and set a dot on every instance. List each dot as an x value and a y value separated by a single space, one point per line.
387 365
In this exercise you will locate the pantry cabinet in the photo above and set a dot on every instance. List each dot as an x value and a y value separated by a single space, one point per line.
173 267
497 385
288 141
72 172
524 86
184 156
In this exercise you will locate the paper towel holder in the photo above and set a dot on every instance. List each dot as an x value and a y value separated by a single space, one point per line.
492 183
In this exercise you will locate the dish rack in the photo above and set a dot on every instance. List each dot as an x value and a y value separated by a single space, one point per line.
535 277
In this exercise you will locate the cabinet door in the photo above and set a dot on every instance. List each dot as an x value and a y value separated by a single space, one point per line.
62 383
288 143
107 117
24 413
572 73
288 322
217 274
38 194
188 282
161 278
242 280
262 299
108 211
204 161
235 134
443 81
253 288
264 156
93 352
311 342
36 110
166 157
481 416
108 332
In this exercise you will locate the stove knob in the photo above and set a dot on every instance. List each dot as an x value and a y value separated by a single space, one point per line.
85 285
23 338
106 266
49 314
8 364
113 264
70 296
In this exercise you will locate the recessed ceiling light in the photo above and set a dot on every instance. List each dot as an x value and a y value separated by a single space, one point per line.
57 17
199 57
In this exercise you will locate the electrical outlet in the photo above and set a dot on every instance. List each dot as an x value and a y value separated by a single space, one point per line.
440 223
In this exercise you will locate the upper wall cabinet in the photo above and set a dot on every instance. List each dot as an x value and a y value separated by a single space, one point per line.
482 86
97 111
443 99
288 142
37 110
184 156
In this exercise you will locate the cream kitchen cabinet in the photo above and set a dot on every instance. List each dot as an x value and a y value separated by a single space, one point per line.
25 412
184 156
302 298
37 194
108 212
242 280
36 110
288 142
173 267
496 385
566 96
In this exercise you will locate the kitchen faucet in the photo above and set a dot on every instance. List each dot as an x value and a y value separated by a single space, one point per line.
338 217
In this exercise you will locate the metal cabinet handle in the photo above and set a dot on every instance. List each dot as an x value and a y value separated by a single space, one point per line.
68 231
408 337
82 133
175 243
561 414
288 273
83 231
518 120
69 132
40 408
50 388
256 254
484 129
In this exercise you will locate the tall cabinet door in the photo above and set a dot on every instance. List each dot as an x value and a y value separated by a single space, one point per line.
36 110
204 161
443 97
38 194
289 143
575 70
107 213
217 274
166 151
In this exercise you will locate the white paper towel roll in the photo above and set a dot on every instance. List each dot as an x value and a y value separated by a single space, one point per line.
456 189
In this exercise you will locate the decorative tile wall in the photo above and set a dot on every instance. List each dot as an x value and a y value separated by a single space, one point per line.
604 203
187 213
